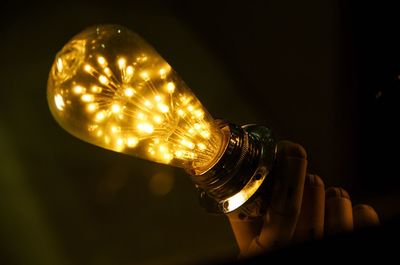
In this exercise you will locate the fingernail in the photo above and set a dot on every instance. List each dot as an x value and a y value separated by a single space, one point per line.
334 192
289 149
361 207
313 180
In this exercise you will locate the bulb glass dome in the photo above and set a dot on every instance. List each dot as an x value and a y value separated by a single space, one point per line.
108 87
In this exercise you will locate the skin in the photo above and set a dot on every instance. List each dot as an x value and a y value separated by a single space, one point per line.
300 209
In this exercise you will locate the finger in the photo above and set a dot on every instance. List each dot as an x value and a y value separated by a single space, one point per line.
364 216
311 220
244 229
281 218
338 211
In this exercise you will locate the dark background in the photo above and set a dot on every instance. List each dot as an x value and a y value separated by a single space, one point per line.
324 74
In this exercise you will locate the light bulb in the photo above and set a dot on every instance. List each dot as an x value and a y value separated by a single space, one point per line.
108 87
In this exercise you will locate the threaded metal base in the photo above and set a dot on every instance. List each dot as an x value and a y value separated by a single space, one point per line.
241 171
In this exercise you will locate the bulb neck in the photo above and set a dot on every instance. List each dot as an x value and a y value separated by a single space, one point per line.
240 172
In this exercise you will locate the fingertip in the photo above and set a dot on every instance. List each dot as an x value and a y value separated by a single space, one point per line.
311 221
336 192
314 181
290 149
365 216
362 207
338 211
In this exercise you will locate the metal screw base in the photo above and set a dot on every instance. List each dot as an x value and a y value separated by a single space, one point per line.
241 175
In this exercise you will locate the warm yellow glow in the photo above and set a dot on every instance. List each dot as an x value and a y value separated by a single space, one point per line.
129 71
180 112
201 146
197 126
115 129
88 68
100 116
145 127
121 63
199 113
162 73
95 89
78 89
91 107
187 143
103 79
116 108
59 65
87 98
157 98
163 108
107 71
205 134
145 76
238 199
129 92
141 116
167 157
120 141
117 92
102 61
179 153
132 141
170 87
157 119
59 101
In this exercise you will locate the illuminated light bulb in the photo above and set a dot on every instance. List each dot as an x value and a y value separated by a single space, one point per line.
129 92
121 63
103 80
132 141
102 61
91 107
163 108
115 108
79 90
180 112
95 89
87 98
59 102
201 146
115 129
170 87
87 68
157 119
99 116
107 71
129 71
110 88
145 76
162 73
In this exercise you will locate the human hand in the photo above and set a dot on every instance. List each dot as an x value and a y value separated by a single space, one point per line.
300 208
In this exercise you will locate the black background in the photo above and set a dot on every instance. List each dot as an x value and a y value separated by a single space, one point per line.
324 74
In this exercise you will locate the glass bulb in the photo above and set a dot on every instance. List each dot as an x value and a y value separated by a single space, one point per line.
108 87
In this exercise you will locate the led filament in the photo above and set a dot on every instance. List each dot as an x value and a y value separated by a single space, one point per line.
107 86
